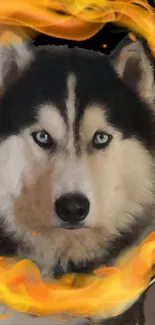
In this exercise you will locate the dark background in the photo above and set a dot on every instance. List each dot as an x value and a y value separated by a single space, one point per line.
109 35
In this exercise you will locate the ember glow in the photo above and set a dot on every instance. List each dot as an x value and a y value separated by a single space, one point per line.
105 293
79 19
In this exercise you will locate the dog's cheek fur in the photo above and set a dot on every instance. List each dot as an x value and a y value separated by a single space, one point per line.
24 177
122 176
123 183
33 207
12 164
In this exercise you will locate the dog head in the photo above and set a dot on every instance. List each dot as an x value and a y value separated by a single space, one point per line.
76 148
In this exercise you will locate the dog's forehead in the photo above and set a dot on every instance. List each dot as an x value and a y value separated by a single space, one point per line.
46 82
48 76
95 82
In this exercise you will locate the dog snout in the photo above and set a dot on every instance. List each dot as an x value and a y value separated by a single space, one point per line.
72 207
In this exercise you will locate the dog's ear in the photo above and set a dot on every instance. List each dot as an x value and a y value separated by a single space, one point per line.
15 55
134 63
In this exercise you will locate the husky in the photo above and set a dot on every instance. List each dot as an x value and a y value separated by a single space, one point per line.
77 139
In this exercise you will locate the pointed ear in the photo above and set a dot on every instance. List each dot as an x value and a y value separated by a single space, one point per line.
134 63
15 55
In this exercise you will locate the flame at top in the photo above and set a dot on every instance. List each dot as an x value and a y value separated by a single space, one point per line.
79 19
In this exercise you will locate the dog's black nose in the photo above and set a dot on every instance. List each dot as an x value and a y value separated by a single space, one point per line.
72 208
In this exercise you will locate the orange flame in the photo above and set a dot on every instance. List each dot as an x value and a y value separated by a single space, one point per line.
81 19
105 293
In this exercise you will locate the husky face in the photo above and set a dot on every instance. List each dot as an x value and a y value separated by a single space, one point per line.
76 150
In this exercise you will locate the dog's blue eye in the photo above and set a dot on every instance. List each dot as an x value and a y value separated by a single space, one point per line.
101 139
43 139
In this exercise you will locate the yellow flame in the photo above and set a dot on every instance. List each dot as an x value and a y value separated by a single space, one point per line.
81 18
107 292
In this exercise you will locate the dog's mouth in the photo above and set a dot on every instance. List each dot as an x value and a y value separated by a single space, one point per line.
79 225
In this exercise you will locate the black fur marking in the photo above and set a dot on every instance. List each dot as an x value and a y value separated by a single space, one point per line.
42 83
9 246
97 83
